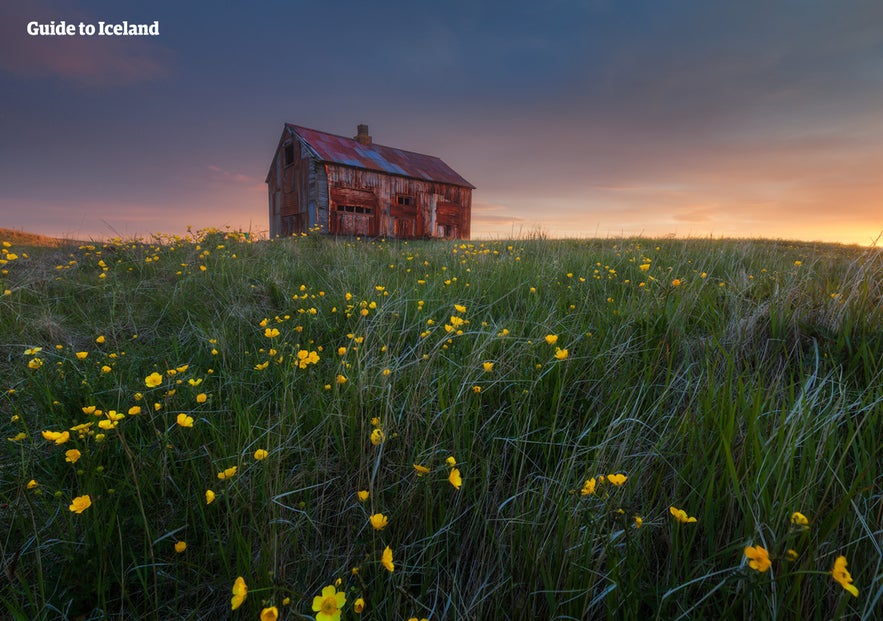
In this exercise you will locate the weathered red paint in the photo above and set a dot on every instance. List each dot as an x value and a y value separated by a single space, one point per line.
351 186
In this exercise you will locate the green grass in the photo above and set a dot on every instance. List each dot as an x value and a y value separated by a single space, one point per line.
740 381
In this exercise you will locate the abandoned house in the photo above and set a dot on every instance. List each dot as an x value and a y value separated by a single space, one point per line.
351 186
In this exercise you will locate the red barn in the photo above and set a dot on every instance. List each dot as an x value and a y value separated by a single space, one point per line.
351 186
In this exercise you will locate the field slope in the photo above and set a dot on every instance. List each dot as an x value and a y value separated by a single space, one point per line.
528 429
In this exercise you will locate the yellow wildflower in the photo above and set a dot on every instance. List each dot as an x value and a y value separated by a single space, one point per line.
378 521
589 487
80 503
359 606
362 495
386 559
201 397
455 479
240 592
260 454
617 479
841 575
184 420
328 604
72 456
32 484
228 473
488 367
82 355
271 333
551 339
758 558
421 470
180 546
561 354
451 461
377 436
798 519
59 437
270 614
153 380
209 496
680 515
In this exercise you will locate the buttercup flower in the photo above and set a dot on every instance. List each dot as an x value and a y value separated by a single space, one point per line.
680 515
59 437
184 420
758 558
271 333
377 436
180 546
386 559
454 478
841 575
201 397
328 604
260 454
551 339
80 504
240 592
32 484
488 367
209 496
378 521
420 470
589 487
561 354
617 479
451 461
82 355
362 495
798 519
153 380
270 614
72 456
228 473
639 521
359 606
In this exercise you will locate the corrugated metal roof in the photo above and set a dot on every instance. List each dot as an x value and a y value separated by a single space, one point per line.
349 152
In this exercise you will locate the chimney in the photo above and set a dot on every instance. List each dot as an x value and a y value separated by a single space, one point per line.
362 137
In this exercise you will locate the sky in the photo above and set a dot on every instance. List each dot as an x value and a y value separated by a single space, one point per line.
573 118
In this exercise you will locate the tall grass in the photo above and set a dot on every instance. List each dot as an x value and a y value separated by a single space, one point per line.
739 381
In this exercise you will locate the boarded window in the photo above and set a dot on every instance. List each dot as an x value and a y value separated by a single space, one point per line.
402 199
289 154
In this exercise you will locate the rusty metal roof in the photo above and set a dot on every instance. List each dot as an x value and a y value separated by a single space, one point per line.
349 152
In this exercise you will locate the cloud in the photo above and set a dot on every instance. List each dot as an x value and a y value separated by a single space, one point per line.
92 61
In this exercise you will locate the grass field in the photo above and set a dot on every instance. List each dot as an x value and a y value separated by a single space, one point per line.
529 429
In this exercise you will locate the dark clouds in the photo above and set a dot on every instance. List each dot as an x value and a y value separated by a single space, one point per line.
581 117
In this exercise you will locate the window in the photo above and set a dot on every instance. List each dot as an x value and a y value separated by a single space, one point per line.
355 209
401 199
289 154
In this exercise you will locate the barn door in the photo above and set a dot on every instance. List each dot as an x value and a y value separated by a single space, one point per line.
404 221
